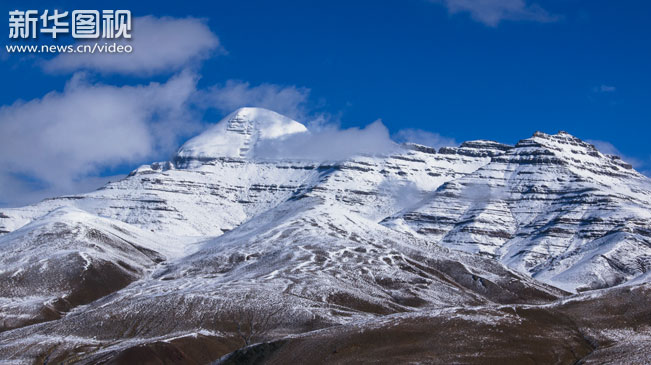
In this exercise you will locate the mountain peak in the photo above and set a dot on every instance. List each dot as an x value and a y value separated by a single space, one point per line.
237 134
560 134
563 148
559 141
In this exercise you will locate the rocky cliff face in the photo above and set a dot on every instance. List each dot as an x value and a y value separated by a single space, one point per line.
159 263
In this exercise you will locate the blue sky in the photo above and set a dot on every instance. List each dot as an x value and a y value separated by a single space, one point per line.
490 69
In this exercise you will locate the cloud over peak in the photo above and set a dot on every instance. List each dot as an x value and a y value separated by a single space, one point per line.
330 143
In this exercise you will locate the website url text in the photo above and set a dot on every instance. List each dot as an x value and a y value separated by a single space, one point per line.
81 48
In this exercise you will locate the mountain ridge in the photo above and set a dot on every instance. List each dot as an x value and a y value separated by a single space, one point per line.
204 238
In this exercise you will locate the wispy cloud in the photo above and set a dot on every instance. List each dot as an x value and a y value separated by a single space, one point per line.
287 100
609 149
426 138
604 89
493 12
160 45
17 191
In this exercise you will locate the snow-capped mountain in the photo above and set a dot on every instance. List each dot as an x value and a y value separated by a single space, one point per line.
238 134
170 254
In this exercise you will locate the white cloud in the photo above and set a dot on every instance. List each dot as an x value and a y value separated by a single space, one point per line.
287 100
160 45
493 12
330 143
61 139
420 136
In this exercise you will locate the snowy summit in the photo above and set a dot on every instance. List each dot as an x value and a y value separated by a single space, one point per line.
237 134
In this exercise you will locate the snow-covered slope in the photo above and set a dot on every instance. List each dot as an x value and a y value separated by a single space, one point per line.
553 207
178 244
324 265
69 258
